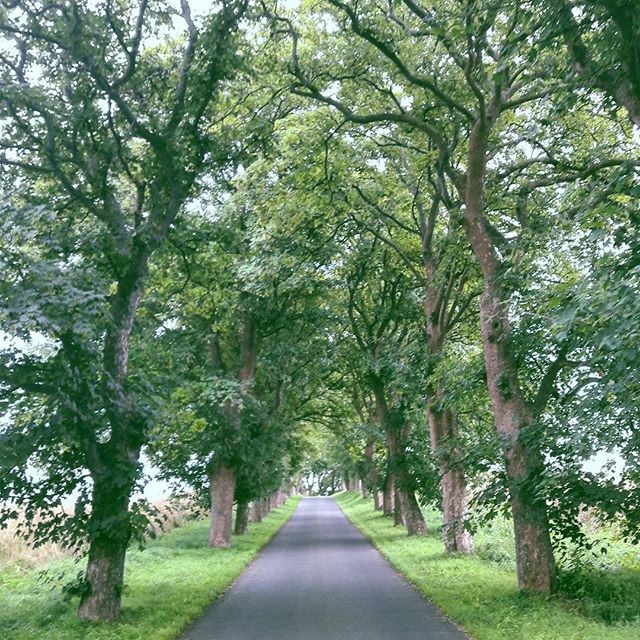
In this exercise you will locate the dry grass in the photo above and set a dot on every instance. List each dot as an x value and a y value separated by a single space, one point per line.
19 553
173 513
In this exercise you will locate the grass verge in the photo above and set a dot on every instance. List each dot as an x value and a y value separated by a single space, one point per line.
476 593
167 585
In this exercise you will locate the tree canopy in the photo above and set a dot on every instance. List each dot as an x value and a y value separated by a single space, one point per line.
384 245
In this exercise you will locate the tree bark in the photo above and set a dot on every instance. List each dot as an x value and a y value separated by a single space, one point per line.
372 478
114 465
221 488
242 518
535 563
110 532
406 508
455 503
262 508
377 500
222 482
534 554
256 514
390 503
104 578
248 349
442 423
411 513
443 429
388 497
398 514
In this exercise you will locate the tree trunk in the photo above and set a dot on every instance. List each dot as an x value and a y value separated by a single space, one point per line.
410 513
398 515
388 499
443 430
353 484
377 500
110 532
455 502
372 479
442 422
104 579
222 482
256 514
114 466
221 488
534 554
365 491
410 509
406 508
535 563
242 518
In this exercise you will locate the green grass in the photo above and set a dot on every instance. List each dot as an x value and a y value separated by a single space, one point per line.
480 592
167 585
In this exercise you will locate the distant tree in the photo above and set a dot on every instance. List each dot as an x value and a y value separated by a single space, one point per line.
247 316
382 313
399 200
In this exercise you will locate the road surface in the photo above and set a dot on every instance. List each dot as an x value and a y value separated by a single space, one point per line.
320 579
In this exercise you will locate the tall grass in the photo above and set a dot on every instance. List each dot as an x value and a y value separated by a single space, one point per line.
19 554
602 583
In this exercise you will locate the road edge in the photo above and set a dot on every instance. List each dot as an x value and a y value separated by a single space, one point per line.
296 500
407 579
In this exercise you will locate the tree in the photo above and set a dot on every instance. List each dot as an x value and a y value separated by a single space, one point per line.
382 313
407 206
482 74
112 131
407 209
254 327
601 38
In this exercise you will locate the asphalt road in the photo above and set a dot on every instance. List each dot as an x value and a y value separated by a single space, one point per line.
320 579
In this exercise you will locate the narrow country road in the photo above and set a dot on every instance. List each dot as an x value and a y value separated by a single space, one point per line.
320 579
